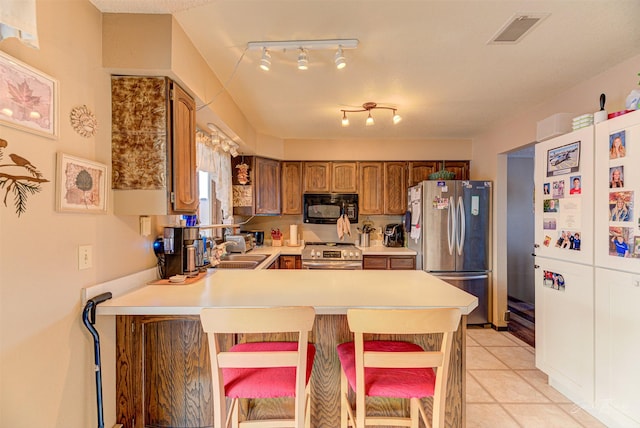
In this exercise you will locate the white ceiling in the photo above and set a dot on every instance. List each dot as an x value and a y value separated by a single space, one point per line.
430 59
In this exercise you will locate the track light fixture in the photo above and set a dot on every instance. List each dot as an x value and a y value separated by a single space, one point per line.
368 107
303 47
303 60
265 61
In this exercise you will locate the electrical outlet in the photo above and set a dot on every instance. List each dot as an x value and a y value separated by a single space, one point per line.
85 257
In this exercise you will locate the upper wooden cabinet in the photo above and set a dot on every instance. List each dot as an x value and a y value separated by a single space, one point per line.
153 149
371 189
395 187
317 177
267 186
461 168
419 171
291 187
344 177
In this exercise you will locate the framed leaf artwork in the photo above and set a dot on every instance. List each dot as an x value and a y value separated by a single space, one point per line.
81 185
28 98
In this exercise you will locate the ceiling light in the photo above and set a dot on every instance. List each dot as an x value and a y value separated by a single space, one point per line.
303 60
396 117
306 46
265 61
368 107
345 120
339 60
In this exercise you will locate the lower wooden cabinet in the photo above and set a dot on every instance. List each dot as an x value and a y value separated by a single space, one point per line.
163 374
290 262
389 262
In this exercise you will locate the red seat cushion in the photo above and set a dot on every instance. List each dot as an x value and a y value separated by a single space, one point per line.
383 382
264 382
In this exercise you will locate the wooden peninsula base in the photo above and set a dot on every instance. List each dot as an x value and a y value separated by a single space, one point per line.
163 374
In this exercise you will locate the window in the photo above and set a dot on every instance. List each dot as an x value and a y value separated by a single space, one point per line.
209 211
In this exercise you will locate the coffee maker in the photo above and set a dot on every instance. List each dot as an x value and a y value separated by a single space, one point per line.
180 251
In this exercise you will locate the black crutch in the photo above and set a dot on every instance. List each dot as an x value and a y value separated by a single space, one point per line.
89 319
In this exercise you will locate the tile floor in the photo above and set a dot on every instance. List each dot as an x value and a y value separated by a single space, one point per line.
504 388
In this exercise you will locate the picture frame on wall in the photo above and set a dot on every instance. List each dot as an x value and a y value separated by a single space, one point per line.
81 185
28 98
564 159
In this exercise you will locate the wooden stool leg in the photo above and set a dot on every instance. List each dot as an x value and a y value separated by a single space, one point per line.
415 412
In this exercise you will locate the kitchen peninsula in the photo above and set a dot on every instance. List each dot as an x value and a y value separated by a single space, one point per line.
162 361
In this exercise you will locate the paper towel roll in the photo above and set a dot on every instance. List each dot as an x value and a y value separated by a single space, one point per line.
293 234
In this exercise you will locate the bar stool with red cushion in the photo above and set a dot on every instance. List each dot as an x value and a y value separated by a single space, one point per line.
392 368
259 370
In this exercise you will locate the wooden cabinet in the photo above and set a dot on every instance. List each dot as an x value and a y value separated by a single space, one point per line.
291 187
267 186
164 372
153 148
335 177
395 188
371 188
461 168
344 177
381 262
275 264
317 177
290 262
419 171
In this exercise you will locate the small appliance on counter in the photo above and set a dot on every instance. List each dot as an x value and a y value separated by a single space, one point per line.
258 236
240 243
394 235
180 251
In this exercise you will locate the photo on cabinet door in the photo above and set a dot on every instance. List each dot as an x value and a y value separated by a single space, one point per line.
621 206
619 239
558 189
546 188
549 223
551 205
576 185
616 177
564 159
553 280
569 240
617 145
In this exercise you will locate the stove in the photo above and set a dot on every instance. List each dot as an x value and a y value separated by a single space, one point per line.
331 255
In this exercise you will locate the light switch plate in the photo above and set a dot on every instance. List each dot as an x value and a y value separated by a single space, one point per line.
85 257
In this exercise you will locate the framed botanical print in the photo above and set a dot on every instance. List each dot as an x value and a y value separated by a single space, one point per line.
81 185
28 98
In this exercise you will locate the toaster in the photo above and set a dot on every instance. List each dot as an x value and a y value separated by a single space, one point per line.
240 243
394 235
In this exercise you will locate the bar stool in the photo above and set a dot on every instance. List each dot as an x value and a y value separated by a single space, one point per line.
392 368
260 369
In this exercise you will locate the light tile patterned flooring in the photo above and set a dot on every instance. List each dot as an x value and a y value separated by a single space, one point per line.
505 390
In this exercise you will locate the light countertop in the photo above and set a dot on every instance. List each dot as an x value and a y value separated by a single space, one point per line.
328 291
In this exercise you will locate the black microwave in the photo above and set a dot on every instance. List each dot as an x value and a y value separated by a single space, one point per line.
326 208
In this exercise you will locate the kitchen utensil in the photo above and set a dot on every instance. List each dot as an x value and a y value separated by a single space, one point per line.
601 115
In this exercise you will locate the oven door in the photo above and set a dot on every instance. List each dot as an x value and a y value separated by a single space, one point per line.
332 265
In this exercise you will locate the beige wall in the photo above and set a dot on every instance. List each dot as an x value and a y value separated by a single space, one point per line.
46 354
489 158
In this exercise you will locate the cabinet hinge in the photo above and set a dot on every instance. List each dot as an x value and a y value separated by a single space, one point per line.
173 197
172 94
133 327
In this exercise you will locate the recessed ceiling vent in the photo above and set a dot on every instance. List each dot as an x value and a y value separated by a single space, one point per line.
516 27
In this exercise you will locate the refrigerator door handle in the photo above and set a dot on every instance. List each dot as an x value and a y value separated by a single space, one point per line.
461 227
451 225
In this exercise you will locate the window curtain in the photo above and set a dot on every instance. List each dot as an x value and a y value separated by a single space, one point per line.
212 159
18 19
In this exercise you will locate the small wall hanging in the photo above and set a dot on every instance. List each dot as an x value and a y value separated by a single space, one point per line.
22 184
28 98
81 185
83 121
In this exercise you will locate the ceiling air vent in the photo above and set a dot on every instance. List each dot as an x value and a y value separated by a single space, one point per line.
516 27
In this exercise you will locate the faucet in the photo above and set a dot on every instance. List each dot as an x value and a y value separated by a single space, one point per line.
219 251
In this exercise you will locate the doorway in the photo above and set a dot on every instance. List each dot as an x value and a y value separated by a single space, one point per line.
520 241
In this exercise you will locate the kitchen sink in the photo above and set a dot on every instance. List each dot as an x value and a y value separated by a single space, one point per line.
241 261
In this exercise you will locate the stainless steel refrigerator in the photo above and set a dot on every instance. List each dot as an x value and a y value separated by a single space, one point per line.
450 228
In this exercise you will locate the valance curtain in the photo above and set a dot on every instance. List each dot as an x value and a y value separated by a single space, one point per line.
18 19
212 159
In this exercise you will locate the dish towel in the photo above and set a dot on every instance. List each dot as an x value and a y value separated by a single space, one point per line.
340 228
343 227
